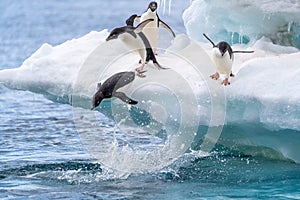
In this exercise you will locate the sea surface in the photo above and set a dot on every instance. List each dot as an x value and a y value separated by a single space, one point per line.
41 155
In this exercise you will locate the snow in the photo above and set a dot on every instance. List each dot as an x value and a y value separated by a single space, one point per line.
244 21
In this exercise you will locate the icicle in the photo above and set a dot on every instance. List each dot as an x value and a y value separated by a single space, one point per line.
241 32
163 4
170 3
290 26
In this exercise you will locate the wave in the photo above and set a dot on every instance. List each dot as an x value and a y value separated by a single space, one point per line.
38 168
223 165
228 167
262 102
71 172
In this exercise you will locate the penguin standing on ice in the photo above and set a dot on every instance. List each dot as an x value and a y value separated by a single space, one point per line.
151 29
223 58
134 39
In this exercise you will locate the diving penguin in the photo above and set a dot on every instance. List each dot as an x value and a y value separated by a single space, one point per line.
223 58
151 29
134 39
109 87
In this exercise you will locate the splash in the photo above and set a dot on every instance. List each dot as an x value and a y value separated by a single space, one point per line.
152 134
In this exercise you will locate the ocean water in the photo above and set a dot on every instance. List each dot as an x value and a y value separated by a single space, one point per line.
42 155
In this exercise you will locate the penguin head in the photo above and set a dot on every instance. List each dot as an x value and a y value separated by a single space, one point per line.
97 99
223 47
130 20
152 6
114 34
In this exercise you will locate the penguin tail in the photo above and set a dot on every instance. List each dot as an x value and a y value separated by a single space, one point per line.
156 64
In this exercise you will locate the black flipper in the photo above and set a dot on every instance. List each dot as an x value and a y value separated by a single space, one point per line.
243 52
229 49
166 26
209 40
140 27
132 34
124 98
144 71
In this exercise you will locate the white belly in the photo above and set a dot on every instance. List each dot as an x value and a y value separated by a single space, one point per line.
223 63
134 44
151 29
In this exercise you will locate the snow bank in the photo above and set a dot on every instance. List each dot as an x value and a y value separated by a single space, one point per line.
244 21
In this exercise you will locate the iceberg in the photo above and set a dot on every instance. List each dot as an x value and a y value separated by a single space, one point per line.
244 21
262 103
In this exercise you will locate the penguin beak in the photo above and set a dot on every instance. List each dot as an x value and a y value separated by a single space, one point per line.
93 106
111 37
222 52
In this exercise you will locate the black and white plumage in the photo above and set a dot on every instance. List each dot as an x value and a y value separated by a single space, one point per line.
151 30
109 87
223 57
134 39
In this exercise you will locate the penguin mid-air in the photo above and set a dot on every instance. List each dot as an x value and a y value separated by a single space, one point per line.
151 29
223 58
109 87
134 39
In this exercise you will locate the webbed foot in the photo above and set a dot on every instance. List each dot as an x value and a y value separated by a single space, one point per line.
225 82
215 76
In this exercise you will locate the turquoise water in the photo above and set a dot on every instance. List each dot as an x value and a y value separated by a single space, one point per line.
42 157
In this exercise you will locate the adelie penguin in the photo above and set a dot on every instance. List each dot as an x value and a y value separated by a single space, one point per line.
109 87
134 39
223 57
152 29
